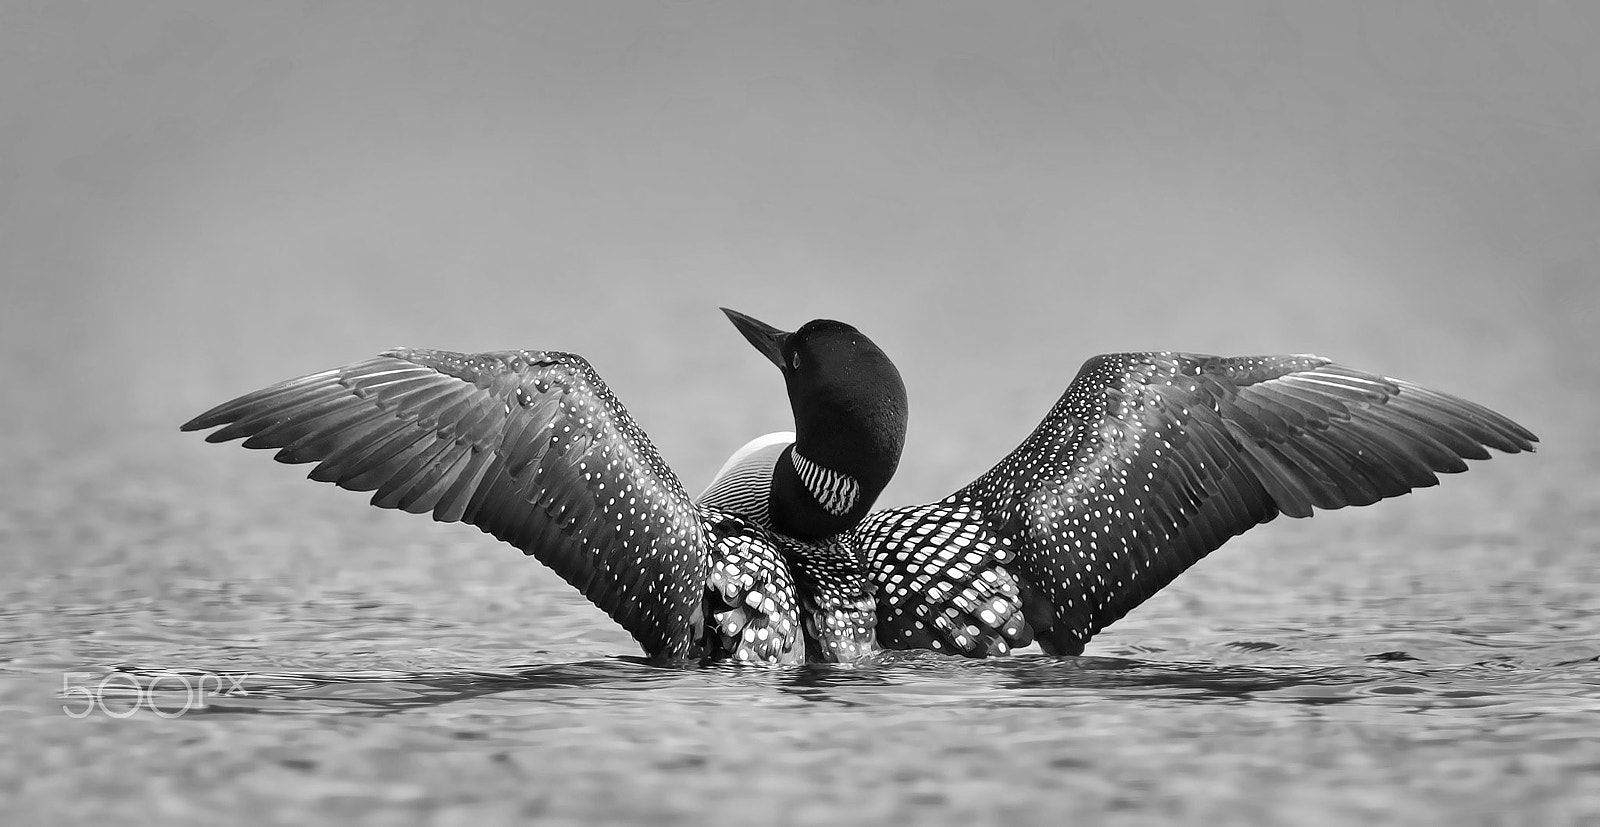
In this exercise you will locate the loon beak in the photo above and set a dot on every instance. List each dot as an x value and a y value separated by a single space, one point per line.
767 339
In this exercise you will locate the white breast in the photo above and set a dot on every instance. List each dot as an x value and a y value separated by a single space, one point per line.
744 484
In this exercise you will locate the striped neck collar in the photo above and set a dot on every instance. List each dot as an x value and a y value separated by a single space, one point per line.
836 492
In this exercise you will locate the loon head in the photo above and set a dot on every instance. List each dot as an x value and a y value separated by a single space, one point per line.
849 420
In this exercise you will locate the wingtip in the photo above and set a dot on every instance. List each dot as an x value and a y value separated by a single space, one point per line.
223 414
1515 439
209 419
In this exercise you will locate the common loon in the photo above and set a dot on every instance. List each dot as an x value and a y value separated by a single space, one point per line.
1147 463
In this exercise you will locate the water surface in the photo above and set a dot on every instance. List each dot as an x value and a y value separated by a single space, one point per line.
198 632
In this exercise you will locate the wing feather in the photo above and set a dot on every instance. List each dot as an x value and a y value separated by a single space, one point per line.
529 446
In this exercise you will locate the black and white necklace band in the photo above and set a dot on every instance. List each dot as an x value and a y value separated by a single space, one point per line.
837 493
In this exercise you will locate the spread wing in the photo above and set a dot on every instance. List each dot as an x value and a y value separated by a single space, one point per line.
1150 461
529 446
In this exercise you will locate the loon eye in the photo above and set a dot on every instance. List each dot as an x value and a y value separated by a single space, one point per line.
794 360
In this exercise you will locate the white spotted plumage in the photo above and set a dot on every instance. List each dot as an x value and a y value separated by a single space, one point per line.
753 614
942 582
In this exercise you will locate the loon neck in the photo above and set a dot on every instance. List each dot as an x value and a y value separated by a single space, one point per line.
829 479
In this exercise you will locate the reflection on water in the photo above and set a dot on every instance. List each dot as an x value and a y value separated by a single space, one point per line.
902 680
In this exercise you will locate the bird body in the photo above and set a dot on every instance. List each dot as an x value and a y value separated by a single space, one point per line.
1148 462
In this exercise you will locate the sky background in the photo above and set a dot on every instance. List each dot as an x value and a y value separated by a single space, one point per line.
198 199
